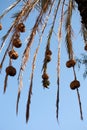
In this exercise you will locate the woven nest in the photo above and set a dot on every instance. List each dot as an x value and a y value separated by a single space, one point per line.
85 48
74 84
49 52
48 58
0 26
46 83
10 70
17 43
45 76
13 54
70 63
21 27
17 35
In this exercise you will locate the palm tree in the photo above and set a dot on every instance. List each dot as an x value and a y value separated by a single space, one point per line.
44 9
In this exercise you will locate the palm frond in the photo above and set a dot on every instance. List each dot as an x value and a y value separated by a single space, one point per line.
29 99
58 65
10 8
69 31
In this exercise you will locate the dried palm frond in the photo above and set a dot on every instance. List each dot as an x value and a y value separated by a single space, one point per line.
21 73
46 60
69 30
45 4
46 8
31 85
4 38
10 8
29 100
58 65
26 53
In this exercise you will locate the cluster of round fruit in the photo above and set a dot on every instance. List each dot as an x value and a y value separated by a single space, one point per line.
45 80
48 55
16 42
75 83
45 76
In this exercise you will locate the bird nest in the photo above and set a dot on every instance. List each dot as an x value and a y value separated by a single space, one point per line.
11 71
74 84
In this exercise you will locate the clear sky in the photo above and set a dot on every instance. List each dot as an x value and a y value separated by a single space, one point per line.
43 104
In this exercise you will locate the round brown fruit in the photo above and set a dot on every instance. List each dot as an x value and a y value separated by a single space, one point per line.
74 84
70 63
46 83
11 71
49 52
13 54
45 76
17 43
48 58
21 27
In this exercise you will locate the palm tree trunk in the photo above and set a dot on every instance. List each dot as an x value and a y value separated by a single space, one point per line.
82 7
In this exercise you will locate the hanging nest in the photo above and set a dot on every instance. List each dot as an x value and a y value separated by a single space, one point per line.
17 35
17 43
45 76
11 71
85 48
0 26
21 27
48 58
49 52
46 83
70 63
13 54
74 84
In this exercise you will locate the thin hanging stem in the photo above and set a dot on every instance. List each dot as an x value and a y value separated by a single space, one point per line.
74 73
6 78
80 105
78 95
5 83
58 65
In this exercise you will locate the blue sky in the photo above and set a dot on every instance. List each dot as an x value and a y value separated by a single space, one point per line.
43 110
